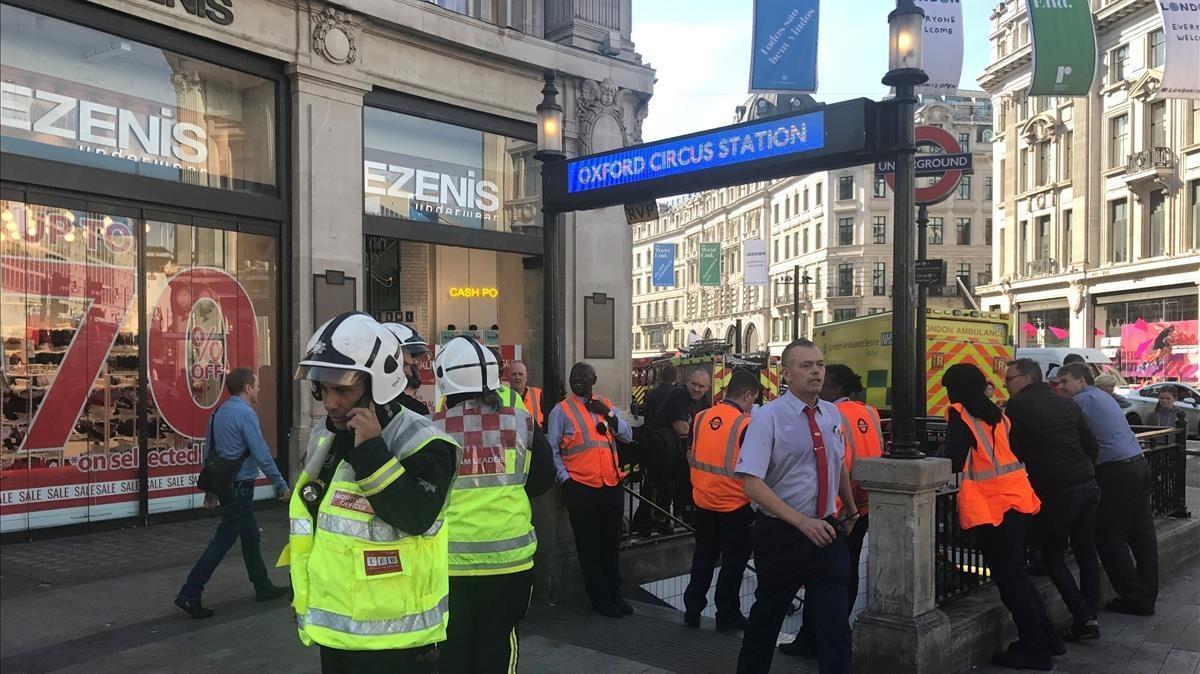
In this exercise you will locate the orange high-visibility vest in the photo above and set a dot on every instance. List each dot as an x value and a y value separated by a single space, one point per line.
993 480
864 440
716 442
589 456
533 404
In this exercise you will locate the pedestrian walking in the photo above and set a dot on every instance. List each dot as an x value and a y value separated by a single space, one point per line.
864 440
531 396
723 515
584 428
368 546
505 462
1051 436
792 467
1125 536
234 433
995 501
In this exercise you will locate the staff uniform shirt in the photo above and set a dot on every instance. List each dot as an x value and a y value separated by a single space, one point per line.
779 449
557 426
1117 441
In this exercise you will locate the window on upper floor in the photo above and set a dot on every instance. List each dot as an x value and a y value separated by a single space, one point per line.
1118 140
1118 62
936 232
1156 49
845 187
987 188
1045 160
845 231
964 142
1158 124
820 193
880 191
964 187
879 229
962 231
1068 153
1118 231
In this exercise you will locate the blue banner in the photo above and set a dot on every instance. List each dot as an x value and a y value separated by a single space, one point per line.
664 265
783 54
698 152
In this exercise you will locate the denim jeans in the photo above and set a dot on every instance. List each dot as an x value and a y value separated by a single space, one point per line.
237 521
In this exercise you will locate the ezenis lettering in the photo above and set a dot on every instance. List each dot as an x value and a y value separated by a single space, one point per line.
219 12
380 562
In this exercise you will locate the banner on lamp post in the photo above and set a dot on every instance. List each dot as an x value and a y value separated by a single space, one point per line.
1181 38
663 274
1064 47
710 264
783 50
942 42
754 262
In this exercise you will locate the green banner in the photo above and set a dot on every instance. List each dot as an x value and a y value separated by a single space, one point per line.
710 264
1064 47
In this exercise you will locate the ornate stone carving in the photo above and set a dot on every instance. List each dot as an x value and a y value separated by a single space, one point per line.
1146 87
333 36
1078 295
596 100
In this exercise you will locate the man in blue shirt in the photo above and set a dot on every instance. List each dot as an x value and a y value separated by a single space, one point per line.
1125 522
233 430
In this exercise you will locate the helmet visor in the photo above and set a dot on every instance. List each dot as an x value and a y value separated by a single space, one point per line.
415 348
329 375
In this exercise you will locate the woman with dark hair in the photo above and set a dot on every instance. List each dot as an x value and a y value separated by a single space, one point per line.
995 500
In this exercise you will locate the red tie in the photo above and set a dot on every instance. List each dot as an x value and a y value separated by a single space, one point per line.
822 461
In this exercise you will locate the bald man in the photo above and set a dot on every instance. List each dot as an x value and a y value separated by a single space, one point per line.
518 379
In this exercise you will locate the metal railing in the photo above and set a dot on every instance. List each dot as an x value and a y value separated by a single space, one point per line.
1148 160
960 568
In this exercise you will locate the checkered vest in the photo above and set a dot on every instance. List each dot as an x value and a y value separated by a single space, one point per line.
489 519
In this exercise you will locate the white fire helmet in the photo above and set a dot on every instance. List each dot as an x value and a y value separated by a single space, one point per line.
412 341
463 365
350 344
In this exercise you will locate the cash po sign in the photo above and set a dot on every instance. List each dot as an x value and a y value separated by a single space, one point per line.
949 165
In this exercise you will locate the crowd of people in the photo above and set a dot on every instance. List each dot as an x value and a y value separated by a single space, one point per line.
401 517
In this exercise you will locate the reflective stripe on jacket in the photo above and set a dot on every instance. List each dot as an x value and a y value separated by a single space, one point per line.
716 442
490 520
993 480
589 456
864 440
358 582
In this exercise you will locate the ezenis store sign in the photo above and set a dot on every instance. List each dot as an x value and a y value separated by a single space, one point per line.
218 11
457 195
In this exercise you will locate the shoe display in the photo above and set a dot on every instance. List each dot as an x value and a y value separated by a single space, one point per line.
194 608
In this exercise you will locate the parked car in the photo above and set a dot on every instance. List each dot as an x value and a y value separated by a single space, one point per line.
1144 400
1051 358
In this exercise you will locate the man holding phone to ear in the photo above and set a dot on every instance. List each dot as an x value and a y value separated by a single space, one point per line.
792 467
371 588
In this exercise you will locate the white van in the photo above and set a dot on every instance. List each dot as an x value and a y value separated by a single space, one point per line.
1051 358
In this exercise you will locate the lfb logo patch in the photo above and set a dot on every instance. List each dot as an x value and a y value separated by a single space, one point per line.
715 423
379 562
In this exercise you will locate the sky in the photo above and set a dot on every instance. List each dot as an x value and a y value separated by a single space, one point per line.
701 52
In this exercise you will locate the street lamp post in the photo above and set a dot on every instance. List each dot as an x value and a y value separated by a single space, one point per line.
796 301
905 26
549 150
920 402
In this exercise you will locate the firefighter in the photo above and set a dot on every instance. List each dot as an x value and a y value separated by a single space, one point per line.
505 462
371 586
723 514
415 352
996 501
584 429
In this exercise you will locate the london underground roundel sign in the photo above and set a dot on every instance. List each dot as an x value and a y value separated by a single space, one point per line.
944 186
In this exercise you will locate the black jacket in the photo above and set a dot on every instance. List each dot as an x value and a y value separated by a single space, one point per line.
1051 435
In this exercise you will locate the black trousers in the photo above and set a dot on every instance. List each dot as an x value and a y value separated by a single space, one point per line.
725 535
482 636
855 543
785 560
596 514
1069 515
1125 524
1003 548
420 660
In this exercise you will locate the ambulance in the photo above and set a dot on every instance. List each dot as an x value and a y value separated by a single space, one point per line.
952 336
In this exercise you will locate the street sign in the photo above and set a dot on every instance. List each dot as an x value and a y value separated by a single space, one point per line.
830 136
646 211
931 273
932 164
948 183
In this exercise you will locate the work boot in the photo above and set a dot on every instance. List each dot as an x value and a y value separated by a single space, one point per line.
625 607
194 608
799 647
735 622
1015 658
1082 631
609 611
691 618
270 592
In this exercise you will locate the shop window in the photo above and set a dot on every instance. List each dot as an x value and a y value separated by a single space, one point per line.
71 329
1044 328
430 171
81 96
